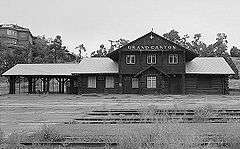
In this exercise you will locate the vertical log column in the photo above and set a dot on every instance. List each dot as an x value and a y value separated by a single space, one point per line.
48 85
71 85
30 87
12 81
34 85
60 85
44 85
63 82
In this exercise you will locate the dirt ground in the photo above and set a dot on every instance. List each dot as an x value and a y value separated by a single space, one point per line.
19 112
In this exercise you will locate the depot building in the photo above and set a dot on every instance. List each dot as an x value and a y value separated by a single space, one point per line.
150 64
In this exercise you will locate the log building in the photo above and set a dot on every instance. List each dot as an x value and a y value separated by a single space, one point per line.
150 64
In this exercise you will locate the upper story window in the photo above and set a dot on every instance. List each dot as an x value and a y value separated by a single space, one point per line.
151 59
130 59
11 32
173 59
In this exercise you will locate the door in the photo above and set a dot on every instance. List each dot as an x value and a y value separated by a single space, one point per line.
175 86
127 84
100 84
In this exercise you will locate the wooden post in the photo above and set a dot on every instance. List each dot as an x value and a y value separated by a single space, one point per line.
19 85
12 81
44 84
63 83
71 85
53 83
30 87
48 85
34 85
60 85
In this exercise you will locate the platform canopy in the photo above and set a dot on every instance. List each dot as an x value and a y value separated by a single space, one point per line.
208 65
199 65
86 66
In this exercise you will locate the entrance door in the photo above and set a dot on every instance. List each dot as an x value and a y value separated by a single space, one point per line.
100 84
127 85
175 85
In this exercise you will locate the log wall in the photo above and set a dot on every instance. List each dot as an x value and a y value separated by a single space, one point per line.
195 84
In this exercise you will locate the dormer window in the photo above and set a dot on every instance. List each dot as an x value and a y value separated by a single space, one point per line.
173 59
151 59
130 59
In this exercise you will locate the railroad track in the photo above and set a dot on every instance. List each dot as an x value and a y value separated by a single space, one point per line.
114 116
204 140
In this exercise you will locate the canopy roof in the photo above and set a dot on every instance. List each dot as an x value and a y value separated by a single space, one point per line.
86 66
208 65
199 65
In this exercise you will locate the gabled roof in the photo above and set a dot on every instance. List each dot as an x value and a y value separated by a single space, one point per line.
86 66
190 54
41 69
208 65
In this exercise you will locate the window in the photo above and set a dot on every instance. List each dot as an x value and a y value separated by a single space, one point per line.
109 82
11 32
91 82
151 82
134 82
151 59
130 59
173 59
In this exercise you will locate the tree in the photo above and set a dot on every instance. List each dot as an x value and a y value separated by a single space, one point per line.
198 46
81 48
102 52
173 36
117 44
220 47
235 52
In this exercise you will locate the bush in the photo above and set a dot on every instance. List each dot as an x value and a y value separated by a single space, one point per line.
45 134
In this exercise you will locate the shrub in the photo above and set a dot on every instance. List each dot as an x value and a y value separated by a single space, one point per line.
46 134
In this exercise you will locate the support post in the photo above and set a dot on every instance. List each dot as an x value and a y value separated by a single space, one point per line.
48 85
19 85
63 82
30 87
12 81
44 85
60 85
34 85
71 85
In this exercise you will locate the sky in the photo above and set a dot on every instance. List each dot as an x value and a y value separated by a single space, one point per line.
94 22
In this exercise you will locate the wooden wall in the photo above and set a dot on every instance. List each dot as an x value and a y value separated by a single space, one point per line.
217 84
82 83
162 83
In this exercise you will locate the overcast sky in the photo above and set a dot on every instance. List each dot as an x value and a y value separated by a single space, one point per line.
93 22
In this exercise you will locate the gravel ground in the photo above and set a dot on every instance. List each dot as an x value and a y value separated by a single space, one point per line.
19 112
